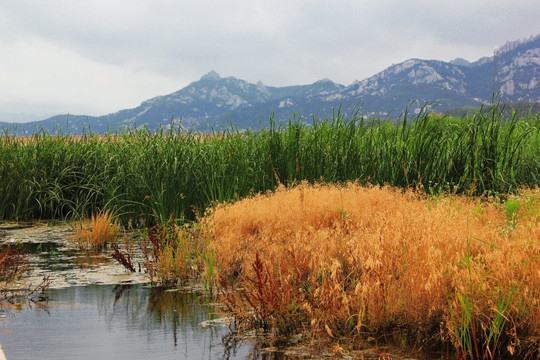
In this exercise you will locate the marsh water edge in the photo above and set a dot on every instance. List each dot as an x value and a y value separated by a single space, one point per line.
94 308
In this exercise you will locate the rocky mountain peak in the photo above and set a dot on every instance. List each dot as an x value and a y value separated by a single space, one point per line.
323 81
460 62
212 75
513 45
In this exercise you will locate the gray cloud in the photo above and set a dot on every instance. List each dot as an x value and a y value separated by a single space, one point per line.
281 42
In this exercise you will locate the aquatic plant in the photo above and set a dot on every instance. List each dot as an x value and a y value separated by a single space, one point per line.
171 254
125 257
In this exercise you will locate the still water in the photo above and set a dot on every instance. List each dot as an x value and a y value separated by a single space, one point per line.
98 310
119 322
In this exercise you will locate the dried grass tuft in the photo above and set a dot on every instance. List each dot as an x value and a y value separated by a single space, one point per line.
353 261
97 232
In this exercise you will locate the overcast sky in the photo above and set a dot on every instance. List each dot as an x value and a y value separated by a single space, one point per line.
96 57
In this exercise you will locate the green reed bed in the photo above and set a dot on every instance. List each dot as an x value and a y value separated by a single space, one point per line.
146 177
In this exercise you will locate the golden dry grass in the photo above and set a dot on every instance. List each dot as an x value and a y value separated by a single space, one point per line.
71 139
75 139
96 232
356 260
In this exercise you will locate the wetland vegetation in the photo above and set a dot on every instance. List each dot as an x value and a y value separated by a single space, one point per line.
145 177
347 230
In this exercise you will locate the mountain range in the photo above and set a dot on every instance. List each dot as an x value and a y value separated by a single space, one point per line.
214 102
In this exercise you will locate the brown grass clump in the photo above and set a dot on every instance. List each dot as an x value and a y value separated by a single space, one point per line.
97 232
353 262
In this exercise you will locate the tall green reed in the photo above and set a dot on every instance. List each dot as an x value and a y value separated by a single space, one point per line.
145 177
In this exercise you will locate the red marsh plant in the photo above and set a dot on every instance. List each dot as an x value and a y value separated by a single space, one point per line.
13 288
274 299
125 257
13 265
347 263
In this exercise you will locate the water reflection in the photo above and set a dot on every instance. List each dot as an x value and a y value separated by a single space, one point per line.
120 322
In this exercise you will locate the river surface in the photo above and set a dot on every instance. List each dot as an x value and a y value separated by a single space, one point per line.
95 309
